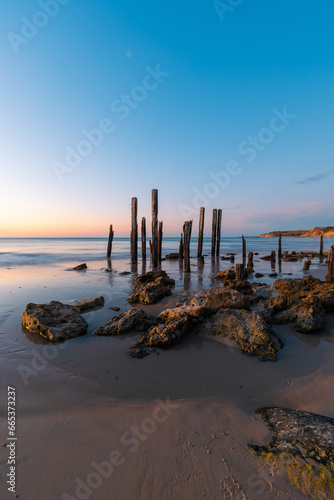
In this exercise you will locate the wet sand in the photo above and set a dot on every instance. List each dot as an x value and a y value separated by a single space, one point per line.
81 400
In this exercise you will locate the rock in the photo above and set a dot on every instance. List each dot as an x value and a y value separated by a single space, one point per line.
80 267
88 304
249 331
296 289
273 275
123 323
149 294
54 321
216 298
229 274
151 287
172 325
307 314
139 351
124 273
310 315
278 303
300 433
259 275
115 308
266 257
160 277
290 258
307 265
240 285
302 444
172 256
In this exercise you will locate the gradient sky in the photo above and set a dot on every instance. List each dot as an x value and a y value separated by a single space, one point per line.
228 69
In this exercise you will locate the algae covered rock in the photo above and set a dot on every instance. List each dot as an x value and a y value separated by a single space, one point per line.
54 321
302 444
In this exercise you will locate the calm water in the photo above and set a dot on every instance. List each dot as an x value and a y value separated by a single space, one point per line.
36 251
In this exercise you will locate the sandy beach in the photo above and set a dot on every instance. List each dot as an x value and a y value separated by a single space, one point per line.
173 425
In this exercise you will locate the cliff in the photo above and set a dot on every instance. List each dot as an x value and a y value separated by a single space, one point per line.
316 232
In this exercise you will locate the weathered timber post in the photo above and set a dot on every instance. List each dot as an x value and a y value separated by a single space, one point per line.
307 264
219 230
181 255
214 232
110 240
151 250
322 245
243 248
280 246
186 238
181 246
160 241
250 260
200 232
143 238
134 231
330 266
232 259
273 256
155 249
239 272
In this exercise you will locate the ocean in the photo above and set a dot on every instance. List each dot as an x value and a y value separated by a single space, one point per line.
40 251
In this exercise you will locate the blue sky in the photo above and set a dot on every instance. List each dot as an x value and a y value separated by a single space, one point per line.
197 82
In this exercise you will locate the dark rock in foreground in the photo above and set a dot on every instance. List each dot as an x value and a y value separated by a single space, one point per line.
88 304
54 321
123 323
302 444
300 433
151 287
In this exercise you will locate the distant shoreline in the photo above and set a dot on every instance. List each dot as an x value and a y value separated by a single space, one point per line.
316 232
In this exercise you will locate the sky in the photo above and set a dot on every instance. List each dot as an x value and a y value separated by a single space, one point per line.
222 104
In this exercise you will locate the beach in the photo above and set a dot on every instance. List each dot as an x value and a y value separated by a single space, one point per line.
173 425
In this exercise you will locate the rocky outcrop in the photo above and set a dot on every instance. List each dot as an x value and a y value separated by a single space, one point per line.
316 232
54 321
247 329
302 444
151 287
89 304
133 319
